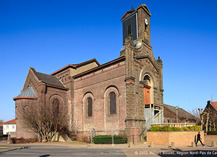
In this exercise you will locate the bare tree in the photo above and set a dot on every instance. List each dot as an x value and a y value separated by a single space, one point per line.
195 112
45 120
207 113
214 121
196 115
201 117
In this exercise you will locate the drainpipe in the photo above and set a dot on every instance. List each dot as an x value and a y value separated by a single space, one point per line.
74 105
69 111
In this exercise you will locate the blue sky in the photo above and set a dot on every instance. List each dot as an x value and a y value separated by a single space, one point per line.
50 34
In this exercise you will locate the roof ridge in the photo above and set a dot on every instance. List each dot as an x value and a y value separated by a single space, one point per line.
76 65
101 66
13 121
49 79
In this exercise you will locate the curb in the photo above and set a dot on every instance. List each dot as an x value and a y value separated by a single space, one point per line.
12 149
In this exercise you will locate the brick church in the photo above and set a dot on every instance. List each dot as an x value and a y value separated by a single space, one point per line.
125 94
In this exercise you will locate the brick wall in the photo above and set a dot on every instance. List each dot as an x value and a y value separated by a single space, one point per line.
181 138
209 138
98 85
22 131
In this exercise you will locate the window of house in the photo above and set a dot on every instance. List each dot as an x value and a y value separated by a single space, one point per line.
89 106
112 98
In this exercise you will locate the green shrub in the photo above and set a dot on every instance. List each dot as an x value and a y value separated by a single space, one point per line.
3 137
211 132
176 129
155 128
186 129
168 128
107 139
14 140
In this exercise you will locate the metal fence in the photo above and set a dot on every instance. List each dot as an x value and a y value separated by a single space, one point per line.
109 131
175 124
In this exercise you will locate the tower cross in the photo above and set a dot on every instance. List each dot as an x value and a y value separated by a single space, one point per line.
132 5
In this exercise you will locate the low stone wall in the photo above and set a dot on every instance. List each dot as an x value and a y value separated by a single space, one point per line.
180 138
210 138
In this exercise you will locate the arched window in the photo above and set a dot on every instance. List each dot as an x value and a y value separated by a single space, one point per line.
112 100
147 80
55 105
89 106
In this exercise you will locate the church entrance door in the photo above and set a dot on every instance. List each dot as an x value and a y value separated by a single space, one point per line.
147 95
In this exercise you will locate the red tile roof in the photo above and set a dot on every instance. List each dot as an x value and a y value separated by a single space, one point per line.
214 104
13 121
1 124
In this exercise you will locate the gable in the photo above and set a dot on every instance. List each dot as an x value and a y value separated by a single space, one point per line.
145 8
181 112
210 105
31 81
34 79
148 63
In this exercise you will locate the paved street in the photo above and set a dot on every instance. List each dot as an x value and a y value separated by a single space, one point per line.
72 149
46 151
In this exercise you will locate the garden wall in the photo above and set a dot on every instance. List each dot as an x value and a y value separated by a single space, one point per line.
181 138
210 138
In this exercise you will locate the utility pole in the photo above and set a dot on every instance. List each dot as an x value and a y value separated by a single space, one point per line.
177 114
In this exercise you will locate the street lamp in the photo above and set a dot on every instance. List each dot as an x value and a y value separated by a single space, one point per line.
177 114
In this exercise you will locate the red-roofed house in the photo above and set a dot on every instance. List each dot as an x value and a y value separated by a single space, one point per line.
210 108
212 105
9 127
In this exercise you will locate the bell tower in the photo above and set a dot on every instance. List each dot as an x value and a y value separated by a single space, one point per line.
143 19
143 74
136 23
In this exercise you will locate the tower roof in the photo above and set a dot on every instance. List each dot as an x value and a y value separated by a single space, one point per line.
143 6
28 92
127 14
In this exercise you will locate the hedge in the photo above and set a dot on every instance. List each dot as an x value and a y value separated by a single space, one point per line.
168 128
107 139
3 137
211 132
14 140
